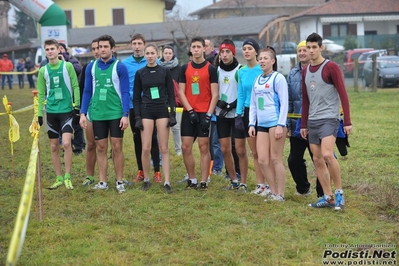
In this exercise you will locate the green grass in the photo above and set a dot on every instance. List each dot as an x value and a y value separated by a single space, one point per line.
84 227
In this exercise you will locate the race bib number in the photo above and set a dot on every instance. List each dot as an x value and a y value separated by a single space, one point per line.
224 97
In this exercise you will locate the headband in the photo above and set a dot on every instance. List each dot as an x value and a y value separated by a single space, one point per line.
229 46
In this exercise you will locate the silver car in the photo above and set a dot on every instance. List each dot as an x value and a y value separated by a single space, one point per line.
387 71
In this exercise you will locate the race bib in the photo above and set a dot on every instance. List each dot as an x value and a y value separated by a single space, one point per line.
154 93
261 103
58 94
103 95
224 97
195 89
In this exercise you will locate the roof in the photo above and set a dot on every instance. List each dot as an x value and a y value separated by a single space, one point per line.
352 7
234 26
234 4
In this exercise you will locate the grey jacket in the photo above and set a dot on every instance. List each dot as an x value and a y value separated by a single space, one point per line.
294 81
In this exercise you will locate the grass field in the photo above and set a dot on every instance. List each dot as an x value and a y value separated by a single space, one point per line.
85 227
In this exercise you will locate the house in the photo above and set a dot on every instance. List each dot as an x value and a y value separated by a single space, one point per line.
286 31
94 13
242 8
374 23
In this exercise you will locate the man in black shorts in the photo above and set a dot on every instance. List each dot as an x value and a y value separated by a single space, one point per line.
198 91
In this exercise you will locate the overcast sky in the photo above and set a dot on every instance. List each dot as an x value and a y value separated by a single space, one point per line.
189 6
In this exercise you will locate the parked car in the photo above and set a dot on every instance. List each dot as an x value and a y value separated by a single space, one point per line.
285 62
387 71
286 47
349 58
368 55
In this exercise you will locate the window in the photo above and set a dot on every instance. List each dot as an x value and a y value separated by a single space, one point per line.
339 30
118 16
370 32
68 14
89 17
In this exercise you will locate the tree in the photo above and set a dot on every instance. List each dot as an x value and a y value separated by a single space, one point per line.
350 42
25 27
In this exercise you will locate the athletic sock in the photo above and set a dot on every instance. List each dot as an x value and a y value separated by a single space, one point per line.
166 183
193 180
59 178
339 191
67 176
146 180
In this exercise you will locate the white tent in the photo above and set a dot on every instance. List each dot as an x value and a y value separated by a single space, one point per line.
332 47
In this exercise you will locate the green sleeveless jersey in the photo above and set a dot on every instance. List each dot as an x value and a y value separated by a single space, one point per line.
106 102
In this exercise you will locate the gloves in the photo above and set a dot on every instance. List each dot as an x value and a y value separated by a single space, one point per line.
206 123
172 119
40 120
139 123
222 104
75 117
193 117
239 123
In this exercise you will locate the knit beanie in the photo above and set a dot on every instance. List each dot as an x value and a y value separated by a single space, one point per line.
253 43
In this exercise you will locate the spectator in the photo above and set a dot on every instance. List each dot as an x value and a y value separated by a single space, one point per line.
6 66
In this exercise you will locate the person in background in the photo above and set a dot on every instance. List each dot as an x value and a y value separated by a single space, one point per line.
153 94
30 67
134 63
246 77
57 83
20 68
6 66
216 153
268 110
170 61
106 93
91 154
198 91
323 90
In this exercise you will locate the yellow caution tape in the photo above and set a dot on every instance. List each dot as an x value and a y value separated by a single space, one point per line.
18 73
21 223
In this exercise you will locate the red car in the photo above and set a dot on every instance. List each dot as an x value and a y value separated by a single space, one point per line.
349 58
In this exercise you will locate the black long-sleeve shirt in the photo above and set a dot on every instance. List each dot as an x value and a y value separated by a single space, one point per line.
158 80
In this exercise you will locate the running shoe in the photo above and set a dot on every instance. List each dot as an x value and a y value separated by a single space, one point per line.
242 188
232 186
266 192
120 187
258 190
307 193
158 177
68 183
100 186
273 197
184 180
58 182
191 185
339 201
323 203
203 186
167 188
127 183
146 186
139 176
88 181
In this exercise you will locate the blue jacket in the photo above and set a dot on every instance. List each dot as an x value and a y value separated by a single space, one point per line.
294 81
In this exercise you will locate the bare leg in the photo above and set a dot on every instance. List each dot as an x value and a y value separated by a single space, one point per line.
67 146
203 144
225 146
163 136
276 159
146 140
252 145
188 157
118 157
55 156
241 150
102 160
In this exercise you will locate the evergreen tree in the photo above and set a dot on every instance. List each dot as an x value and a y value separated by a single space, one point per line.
25 27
